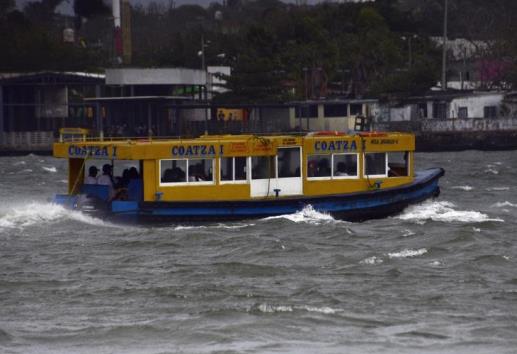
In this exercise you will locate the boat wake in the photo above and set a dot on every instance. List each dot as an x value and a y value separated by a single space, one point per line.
443 211
37 213
307 215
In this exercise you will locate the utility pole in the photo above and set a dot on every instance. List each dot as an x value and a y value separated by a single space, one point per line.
444 49
203 52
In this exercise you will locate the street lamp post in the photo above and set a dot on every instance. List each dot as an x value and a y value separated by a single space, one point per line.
444 49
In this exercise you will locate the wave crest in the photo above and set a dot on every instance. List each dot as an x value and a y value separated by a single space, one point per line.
504 204
269 308
307 215
408 253
35 213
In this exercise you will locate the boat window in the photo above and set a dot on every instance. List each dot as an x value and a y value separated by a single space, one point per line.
375 164
319 166
200 170
344 165
288 162
173 171
233 169
263 167
226 164
398 164
241 168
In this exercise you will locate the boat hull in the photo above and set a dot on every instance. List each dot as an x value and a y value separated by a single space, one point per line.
371 204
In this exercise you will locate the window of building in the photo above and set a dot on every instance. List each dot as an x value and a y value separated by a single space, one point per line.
439 110
335 110
490 111
356 109
233 169
344 165
288 162
188 171
307 111
319 166
422 110
463 112
375 164
398 164
263 167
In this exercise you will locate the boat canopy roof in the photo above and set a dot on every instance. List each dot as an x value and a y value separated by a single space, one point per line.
231 145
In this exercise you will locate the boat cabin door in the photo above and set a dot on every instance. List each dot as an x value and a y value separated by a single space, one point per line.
278 175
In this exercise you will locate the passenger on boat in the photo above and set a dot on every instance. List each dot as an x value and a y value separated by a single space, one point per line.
106 179
92 175
341 169
196 174
323 168
312 169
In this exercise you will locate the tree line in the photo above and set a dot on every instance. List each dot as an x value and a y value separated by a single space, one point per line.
277 51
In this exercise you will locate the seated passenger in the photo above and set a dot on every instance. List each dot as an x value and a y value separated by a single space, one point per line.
311 169
323 168
196 174
133 173
92 175
168 175
177 175
106 179
341 169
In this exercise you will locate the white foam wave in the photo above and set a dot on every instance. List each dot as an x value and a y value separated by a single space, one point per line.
498 189
233 227
217 226
443 211
268 308
181 228
504 204
492 171
325 309
408 233
372 260
19 163
50 169
307 215
407 253
35 213
464 188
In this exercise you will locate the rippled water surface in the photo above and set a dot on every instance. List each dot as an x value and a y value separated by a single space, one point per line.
439 278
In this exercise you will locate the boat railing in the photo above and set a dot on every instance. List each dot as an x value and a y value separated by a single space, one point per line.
81 135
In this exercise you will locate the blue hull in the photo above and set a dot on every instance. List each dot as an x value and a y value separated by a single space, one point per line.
353 207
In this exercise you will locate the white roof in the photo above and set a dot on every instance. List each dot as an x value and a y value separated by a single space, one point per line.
160 76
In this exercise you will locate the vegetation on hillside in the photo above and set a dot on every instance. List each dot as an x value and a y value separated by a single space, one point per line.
277 51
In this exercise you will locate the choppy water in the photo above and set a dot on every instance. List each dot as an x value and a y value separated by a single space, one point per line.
439 278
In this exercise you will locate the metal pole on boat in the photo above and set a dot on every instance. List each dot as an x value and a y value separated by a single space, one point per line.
444 48
99 120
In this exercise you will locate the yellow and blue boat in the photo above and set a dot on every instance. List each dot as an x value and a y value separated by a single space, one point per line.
350 176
